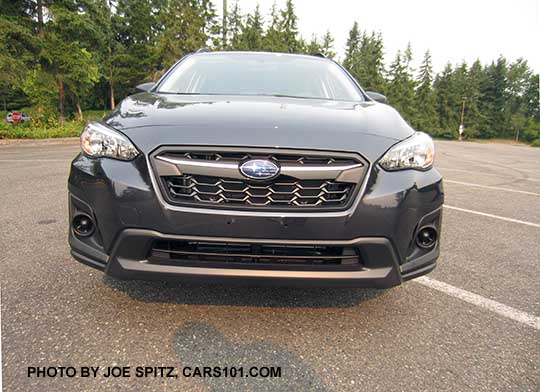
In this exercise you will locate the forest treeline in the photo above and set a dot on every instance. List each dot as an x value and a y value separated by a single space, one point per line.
63 57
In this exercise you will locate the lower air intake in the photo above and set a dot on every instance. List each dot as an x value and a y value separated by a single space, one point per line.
250 255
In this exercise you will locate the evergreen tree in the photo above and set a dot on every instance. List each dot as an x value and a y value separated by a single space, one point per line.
426 116
518 77
273 40
314 47
64 54
327 45
185 29
103 46
494 99
408 56
253 31
397 81
531 97
371 63
401 86
289 28
352 52
235 26
210 24
136 25
445 98
500 98
459 96
18 46
474 120
364 59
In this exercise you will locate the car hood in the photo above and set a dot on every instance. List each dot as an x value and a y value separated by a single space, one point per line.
151 120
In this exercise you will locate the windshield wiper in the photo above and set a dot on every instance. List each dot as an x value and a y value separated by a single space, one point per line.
178 93
285 96
249 95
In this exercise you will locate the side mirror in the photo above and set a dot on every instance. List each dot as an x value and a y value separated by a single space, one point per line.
377 96
146 86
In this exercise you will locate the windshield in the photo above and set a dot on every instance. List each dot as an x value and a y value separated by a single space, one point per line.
260 74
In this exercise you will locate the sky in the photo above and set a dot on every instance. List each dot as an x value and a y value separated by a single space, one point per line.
453 30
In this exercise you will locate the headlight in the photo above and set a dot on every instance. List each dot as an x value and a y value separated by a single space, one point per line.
416 152
98 140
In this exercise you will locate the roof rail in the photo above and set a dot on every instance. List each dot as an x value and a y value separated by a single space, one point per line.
319 55
203 50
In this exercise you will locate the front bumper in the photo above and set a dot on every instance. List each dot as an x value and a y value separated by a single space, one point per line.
121 198
128 260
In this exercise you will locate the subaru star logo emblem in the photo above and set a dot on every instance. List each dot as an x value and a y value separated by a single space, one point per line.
259 169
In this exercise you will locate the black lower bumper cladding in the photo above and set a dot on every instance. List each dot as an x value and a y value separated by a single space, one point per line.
133 257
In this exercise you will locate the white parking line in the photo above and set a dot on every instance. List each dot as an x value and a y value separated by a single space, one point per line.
496 188
482 302
488 174
492 216
1 363
35 160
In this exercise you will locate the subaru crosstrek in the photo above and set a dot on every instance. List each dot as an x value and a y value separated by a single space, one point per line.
256 168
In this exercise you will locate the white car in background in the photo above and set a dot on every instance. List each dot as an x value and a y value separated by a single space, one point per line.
17 117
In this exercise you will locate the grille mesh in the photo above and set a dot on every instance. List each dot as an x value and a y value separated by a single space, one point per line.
253 255
282 192
310 180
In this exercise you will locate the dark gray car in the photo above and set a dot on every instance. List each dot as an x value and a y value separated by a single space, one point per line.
256 168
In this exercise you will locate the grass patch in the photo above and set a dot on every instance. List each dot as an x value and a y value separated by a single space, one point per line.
495 140
534 143
29 132
35 130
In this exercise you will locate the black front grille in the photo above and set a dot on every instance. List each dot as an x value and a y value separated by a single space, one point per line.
254 255
282 192
310 180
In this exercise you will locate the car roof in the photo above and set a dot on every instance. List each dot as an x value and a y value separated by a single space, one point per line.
262 53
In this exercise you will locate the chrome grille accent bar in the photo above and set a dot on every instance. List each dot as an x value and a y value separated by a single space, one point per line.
229 169
207 179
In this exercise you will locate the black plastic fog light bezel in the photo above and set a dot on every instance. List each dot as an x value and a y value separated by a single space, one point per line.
435 237
78 232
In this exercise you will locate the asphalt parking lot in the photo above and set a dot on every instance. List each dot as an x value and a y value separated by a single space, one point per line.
472 325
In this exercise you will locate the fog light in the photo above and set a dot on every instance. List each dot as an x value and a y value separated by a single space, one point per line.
83 225
426 237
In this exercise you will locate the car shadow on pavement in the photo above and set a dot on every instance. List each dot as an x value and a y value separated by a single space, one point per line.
199 345
212 294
